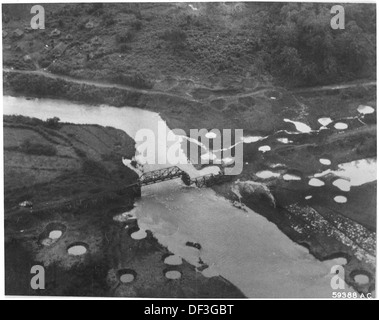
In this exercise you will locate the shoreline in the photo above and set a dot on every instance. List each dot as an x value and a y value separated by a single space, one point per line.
285 230
90 222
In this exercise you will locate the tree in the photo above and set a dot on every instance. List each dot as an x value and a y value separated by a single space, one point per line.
176 38
124 36
53 122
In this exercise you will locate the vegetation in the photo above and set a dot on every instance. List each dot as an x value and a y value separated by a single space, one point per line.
176 38
38 149
125 36
302 47
93 168
77 163
53 122
290 43
41 86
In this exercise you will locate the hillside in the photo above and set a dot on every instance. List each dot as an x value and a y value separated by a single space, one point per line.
48 162
235 45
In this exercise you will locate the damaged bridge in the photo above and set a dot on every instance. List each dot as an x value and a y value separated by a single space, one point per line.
171 173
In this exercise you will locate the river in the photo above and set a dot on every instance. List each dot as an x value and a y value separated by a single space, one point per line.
243 247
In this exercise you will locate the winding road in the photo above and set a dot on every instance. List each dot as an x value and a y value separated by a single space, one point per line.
173 95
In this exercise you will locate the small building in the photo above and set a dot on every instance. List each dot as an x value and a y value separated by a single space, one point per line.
69 37
5 34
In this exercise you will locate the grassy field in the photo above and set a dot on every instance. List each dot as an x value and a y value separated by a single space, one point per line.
45 163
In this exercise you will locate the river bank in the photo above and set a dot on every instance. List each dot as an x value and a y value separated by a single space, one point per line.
114 263
79 209
256 160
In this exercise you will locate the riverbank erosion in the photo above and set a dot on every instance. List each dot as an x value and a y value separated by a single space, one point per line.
64 194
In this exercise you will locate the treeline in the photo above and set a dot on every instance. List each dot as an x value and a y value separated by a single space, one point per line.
302 48
293 42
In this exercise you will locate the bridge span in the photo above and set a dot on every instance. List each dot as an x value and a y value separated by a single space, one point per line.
171 173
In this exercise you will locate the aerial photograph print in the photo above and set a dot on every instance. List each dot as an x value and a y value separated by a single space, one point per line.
189 150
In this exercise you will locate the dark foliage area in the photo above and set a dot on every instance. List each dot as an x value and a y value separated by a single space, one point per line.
291 43
38 86
301 47
93 168
38 149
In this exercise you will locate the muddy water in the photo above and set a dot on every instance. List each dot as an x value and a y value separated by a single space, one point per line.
55 235
127 278
361 279
325 121
243 247
267 174
301 127
355 173
173 260
325 162
77 250
139 235
365 109
264 149
173 275
341 126
340 199
291 177
316 183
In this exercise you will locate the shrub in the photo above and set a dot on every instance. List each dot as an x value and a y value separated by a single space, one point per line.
108 20
176 38
44 62
137 24
358 92
124 36
124 48
53 123
80 153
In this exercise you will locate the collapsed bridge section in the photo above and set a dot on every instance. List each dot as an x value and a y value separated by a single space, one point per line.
172 173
